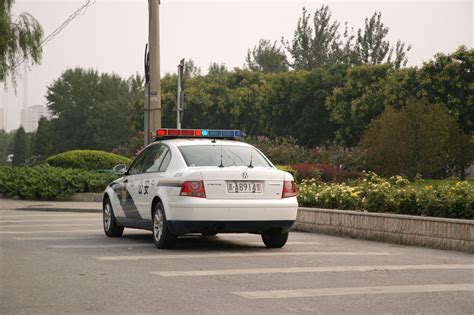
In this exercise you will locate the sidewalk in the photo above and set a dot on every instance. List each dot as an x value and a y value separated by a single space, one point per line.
35 205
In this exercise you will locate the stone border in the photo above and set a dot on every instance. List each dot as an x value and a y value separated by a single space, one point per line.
451 234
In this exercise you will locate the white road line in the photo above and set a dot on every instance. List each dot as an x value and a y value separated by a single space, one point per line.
50 220
65 215
247 254
282 294
309 269
102 246
50 225
59 238
41 232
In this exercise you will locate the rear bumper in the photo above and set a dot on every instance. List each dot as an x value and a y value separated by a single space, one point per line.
225 210
183 227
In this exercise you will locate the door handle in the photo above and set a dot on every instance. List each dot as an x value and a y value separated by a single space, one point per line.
125 181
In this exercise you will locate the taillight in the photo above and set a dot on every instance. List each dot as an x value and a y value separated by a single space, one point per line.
289 189
193 189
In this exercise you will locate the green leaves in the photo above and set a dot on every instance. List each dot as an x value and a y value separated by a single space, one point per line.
20 40
46 182
87 160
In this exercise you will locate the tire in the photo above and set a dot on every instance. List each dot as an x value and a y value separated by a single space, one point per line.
162 238
111 228
275 239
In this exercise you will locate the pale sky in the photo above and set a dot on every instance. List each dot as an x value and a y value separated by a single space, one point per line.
111 35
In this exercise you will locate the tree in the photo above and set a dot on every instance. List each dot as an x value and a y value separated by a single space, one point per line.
20 40
414 140
355 104
216 68
314 45
372 47
20 148
266 57
91 110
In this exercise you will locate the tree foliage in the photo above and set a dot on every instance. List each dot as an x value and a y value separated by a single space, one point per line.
414 140
373 47
20 40
20 147
266 57
317 41
91 110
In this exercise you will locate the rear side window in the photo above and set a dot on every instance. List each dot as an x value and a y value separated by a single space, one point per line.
210 155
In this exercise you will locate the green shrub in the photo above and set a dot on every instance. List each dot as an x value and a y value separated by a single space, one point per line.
395 195
289 169
47 182
87 160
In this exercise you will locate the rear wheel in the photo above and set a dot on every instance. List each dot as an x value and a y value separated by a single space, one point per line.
275 239
111 228
162 238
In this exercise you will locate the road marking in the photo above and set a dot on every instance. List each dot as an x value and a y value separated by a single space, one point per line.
247 254
40 232
58 238
49 220
309 269
66 215
50 225
102 246
283 294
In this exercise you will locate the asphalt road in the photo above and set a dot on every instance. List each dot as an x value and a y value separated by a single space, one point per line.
58 262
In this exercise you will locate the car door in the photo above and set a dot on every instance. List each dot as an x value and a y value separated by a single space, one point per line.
130 186
150 177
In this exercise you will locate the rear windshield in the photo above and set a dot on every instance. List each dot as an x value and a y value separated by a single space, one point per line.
210 155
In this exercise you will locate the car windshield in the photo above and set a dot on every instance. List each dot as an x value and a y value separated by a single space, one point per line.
210 155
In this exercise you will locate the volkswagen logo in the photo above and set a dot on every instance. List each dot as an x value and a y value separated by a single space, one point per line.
245 175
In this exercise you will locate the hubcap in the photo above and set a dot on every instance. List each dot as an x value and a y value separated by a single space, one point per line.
107 216
158 225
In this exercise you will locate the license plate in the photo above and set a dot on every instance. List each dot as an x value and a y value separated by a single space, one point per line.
244 187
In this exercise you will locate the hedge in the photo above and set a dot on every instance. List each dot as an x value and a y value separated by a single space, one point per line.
47 182
394 195
87 160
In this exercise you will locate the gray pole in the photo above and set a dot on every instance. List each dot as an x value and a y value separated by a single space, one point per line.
180 97
154 95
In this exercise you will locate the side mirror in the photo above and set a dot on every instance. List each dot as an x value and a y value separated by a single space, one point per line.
120 169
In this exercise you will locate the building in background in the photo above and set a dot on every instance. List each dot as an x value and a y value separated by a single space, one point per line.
3 119
31 115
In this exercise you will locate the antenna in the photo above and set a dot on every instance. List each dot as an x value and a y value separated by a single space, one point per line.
222 165
251 157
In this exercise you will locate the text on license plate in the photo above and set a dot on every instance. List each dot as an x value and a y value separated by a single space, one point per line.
244 187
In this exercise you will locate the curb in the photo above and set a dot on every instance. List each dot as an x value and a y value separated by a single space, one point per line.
433 232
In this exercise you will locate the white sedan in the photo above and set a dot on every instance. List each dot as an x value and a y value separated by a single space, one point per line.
201 181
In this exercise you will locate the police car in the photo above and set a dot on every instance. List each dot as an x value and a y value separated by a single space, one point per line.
201 181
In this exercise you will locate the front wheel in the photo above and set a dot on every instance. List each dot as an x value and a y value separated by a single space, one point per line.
275 239
111 228
162 238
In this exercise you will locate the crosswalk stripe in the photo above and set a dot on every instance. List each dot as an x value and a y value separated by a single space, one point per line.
40 232
49 220
21 215
101 246
282 294
246 254
309 269
59 238
50 225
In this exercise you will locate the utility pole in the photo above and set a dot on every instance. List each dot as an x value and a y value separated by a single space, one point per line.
153 101
180 98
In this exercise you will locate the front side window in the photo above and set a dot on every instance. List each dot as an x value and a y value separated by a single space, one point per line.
210 155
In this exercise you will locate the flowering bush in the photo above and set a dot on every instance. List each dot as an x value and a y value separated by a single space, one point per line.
395 195
324 172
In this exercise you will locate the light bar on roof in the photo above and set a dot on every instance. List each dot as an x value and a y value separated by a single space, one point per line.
195 133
